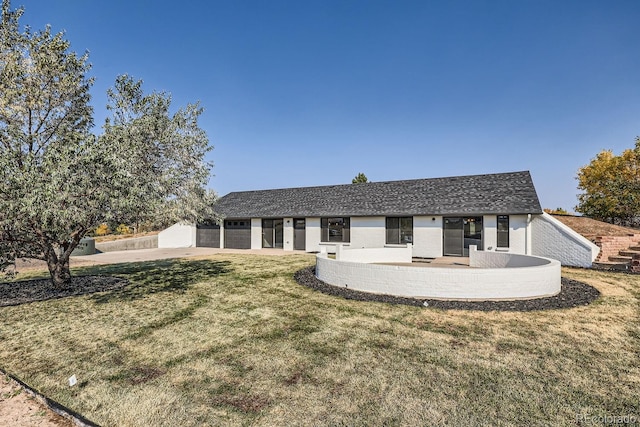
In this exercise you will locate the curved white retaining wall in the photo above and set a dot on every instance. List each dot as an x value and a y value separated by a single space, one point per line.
370 255
511 277
482 259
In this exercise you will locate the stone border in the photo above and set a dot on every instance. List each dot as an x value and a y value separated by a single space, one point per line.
572 294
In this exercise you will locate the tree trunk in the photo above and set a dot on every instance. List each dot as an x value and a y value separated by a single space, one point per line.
61 274
59 268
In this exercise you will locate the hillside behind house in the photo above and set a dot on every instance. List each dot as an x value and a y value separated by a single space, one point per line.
591 228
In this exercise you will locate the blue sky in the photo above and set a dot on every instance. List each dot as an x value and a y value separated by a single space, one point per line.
300 93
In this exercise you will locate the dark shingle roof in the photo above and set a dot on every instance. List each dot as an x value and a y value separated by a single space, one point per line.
501 193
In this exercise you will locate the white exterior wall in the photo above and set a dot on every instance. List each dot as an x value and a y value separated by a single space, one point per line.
368 232
490 232
517 234
312 234
178 236
427 236
287 234
553 239
256 233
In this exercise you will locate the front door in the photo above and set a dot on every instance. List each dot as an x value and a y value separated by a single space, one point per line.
453 236
299 238
460 233
272 235
278 235
472 234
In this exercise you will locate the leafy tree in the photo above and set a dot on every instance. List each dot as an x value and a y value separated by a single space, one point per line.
59 181
611 186
360 179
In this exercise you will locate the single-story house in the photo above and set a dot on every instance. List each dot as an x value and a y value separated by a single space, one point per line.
437 216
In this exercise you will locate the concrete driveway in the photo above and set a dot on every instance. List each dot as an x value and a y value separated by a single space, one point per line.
166 253
140 255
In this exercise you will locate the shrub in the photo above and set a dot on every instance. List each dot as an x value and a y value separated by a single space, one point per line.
123 229
102 230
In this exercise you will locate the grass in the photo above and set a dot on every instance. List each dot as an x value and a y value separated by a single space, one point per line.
233 340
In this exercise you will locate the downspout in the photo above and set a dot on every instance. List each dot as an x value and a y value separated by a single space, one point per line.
527 235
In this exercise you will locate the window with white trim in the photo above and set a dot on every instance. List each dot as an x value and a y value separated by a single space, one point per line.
503 231
335 229
399 230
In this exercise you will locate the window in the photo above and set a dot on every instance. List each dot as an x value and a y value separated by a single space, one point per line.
236 224
503 231
399 230
335 229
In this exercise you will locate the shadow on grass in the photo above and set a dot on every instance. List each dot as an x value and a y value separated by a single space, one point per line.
151 277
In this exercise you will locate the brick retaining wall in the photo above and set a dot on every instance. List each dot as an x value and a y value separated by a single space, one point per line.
635 264
612 245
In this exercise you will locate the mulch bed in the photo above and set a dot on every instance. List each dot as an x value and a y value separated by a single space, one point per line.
572 294
25 291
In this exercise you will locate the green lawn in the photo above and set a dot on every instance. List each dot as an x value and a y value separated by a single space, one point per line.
233 340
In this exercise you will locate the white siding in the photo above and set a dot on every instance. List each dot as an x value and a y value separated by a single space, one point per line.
256 233
287 234
368 232
490 232
553 239
312 236
427 236
518 234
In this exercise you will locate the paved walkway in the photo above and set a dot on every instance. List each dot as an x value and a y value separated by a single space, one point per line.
155 254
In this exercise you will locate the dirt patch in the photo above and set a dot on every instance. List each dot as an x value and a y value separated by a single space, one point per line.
572 294
591 228
143 374
246 403
18 409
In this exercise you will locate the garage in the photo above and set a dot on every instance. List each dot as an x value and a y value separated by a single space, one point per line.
208 235
237 234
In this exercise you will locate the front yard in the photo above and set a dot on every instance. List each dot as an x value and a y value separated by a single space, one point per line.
234 340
